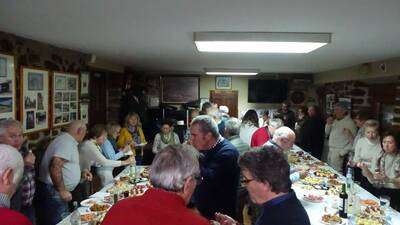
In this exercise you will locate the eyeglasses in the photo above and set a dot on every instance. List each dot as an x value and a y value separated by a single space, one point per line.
245 181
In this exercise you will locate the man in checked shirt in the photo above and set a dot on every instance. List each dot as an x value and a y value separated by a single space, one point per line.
11 134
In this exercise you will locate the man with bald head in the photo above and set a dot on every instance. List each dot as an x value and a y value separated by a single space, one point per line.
11 172
60 173
283 141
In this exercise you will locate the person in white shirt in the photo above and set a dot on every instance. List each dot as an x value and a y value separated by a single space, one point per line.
367 149
249 126
90 155
384 171
340 131
166 137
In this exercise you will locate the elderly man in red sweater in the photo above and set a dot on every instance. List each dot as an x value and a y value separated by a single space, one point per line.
174 175
11 171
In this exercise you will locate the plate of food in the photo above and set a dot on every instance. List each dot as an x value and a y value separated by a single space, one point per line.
333 219
89 202
100 207
313 198
369 202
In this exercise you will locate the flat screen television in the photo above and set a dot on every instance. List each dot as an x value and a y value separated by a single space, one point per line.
267 91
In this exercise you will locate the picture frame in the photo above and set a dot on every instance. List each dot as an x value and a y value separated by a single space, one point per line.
84 81
179 89
84 112
7 86
223 82
65 94
34 99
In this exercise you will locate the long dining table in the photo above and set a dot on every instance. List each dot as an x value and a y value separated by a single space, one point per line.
322 182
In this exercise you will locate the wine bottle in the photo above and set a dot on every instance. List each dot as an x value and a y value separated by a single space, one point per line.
344 205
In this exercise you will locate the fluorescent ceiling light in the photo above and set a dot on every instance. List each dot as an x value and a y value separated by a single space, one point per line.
231 72
260 42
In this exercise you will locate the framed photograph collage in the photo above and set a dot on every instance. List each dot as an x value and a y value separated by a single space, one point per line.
65 98
7 86
34 99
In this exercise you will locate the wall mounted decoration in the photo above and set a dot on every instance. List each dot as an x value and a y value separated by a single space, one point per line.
7 86
179 89
34 99
84 112
223 82
65 98
84 84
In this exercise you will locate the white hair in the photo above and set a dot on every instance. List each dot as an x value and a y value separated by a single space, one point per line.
173 165
232 127
283 132
275 123
11 158
7 123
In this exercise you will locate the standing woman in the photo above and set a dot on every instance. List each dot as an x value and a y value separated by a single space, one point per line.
367 149
249 126
132 134
166 137
384 173
90 154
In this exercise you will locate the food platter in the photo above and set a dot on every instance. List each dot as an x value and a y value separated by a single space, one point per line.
331 219
100 207
313 198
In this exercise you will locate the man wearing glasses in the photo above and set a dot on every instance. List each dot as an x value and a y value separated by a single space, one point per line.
266 177
174 175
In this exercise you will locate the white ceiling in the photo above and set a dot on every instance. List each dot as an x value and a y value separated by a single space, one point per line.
157 35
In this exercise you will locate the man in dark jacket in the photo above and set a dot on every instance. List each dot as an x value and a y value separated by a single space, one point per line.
312 134
218 166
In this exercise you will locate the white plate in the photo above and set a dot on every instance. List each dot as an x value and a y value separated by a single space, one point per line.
109 206
305 198
141 144
343 222
89 202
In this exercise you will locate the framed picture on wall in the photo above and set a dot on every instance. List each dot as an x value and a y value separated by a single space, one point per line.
84 112
65 98
34 99
179 89
7 86
223 82
85 84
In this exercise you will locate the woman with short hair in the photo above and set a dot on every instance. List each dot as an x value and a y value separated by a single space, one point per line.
166 137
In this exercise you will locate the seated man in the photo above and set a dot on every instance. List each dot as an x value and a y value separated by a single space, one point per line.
266 177
11 171
174 174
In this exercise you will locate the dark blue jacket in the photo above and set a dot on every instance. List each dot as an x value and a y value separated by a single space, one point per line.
220 172
283 210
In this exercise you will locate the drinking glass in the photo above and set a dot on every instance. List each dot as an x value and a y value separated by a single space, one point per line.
384 201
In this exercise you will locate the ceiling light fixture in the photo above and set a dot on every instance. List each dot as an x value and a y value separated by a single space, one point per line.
245 72
260 42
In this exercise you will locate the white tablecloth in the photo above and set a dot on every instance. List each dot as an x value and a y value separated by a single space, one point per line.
314 210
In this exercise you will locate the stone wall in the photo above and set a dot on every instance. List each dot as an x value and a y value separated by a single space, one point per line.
41 55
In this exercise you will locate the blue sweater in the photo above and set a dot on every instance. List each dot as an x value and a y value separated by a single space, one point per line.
283 210
220 172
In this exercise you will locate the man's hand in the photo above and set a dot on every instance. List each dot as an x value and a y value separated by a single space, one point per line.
29 159
225 220
87 175
329 120
65 195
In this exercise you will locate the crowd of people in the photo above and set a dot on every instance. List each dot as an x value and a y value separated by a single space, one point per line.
223 161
